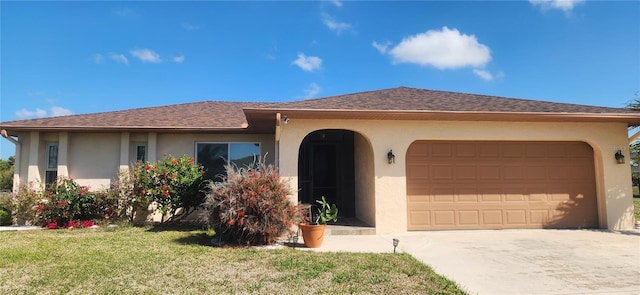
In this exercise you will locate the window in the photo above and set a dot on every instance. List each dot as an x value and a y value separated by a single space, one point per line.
51 173
141 153
214 156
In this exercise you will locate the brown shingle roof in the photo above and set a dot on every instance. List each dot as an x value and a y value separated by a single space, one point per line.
198 115
412 99
235 116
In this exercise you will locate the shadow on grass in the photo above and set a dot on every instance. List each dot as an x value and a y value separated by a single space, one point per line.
175 226
202 239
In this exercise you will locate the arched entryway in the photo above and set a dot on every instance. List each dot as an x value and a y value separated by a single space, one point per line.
338 164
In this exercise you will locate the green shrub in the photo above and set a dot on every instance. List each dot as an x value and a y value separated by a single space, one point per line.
24 202
5 216
172 183
250 206
67 204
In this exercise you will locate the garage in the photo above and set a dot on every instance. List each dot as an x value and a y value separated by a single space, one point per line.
500 184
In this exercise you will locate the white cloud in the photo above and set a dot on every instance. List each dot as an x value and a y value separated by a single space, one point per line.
26 114
55 111
146 55
308 63
178 59
120 58
443 49
484 74
98 58
311 91
190 27
334 25
381 47
564 5
337 3
59 111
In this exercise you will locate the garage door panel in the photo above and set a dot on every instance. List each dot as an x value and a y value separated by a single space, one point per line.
444 217
515 217
481 185
492 217
489 172
465 172
538 216
469 217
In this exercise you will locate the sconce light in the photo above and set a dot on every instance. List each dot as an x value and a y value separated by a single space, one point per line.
619 157
395 244
391 157
285 119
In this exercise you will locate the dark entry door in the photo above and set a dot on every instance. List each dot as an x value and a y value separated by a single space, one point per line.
324 173
326 168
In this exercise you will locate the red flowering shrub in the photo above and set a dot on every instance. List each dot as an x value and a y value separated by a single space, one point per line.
250 206
172 183
67 204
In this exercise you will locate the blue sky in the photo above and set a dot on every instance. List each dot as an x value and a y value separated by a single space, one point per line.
60 58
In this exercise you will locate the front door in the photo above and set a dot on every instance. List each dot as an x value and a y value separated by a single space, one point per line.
325 168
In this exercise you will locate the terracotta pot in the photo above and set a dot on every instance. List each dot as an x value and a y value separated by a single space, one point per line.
313 234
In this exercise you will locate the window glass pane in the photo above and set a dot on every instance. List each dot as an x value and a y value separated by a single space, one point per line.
53 157
213 156
243 154
50 177
141 153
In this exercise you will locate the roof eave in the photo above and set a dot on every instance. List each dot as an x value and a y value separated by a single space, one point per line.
629 118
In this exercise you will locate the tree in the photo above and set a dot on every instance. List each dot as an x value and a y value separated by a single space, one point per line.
6 173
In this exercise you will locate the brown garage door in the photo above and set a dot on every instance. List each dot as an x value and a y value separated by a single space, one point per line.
490 185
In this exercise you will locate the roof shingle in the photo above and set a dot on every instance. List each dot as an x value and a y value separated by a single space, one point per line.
219 115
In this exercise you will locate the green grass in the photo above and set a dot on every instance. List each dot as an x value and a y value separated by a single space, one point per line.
636 208
130 260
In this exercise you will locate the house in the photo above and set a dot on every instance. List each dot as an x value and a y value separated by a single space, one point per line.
397 159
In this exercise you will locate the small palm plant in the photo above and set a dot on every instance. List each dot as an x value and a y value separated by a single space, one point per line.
326 212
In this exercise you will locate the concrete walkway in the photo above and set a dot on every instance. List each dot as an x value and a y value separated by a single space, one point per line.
518 261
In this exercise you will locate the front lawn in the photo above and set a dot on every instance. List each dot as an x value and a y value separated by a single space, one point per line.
636 208
130 260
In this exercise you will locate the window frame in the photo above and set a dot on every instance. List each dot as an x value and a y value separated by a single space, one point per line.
48 169
228 143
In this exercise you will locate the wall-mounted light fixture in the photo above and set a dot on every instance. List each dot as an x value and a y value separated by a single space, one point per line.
619 157
285 119
391 157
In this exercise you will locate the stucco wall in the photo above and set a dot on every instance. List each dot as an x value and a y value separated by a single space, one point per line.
365 181
93 159
613 181
184 144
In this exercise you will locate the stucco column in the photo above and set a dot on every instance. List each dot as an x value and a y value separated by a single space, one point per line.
16 167
33 173
152 144
390 184
63 151
124 151
617 185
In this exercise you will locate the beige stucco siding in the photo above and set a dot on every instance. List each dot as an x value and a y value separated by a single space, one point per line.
93 159
184 144
612 180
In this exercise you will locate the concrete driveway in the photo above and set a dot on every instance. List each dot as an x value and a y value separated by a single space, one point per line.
518 261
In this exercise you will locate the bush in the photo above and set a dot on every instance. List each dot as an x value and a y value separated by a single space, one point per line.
172 183
24 202
250 206
5 216
67 204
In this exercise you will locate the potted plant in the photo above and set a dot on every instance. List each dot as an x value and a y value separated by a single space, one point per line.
313 233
